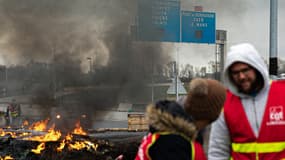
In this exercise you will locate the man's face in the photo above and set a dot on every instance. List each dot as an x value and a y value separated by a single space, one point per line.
243 76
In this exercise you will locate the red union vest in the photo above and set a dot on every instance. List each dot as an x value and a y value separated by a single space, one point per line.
270 143
149 140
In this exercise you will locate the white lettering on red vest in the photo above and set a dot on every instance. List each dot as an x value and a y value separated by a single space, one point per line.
276 115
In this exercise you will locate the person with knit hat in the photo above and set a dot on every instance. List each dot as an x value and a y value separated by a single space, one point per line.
205 100
173 127
252 124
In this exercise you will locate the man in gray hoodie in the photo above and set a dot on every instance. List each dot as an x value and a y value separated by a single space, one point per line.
252 124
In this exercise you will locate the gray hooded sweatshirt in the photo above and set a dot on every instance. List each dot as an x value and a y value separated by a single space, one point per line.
220 141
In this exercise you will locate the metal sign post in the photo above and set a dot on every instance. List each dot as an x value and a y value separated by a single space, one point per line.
163 21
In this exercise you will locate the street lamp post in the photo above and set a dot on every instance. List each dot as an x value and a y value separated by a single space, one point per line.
273 61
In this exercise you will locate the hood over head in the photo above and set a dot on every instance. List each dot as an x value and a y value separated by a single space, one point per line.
245 53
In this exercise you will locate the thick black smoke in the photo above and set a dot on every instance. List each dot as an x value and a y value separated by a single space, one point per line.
64 33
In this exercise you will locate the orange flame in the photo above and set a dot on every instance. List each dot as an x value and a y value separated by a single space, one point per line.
23 134
78 129
13 134
6 158
40 125
61 146
3 133
52 135
78 145
39 148
68 137
25 123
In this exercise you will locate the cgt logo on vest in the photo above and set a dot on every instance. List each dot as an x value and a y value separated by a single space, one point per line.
276 115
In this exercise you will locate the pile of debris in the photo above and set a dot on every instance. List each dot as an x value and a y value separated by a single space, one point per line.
36 142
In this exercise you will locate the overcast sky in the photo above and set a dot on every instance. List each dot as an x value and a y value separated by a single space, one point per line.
244 21
29 28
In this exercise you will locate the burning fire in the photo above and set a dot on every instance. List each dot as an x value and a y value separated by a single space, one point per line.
77 145
39 148
78 129
84 144
6 158
44 134
25 124
39 126
4 133
51 135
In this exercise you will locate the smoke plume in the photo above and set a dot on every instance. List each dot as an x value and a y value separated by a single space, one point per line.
88 35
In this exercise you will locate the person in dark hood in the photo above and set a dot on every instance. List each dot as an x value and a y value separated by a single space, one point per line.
173 127
252 124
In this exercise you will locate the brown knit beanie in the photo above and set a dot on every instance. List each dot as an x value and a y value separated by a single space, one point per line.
205 99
